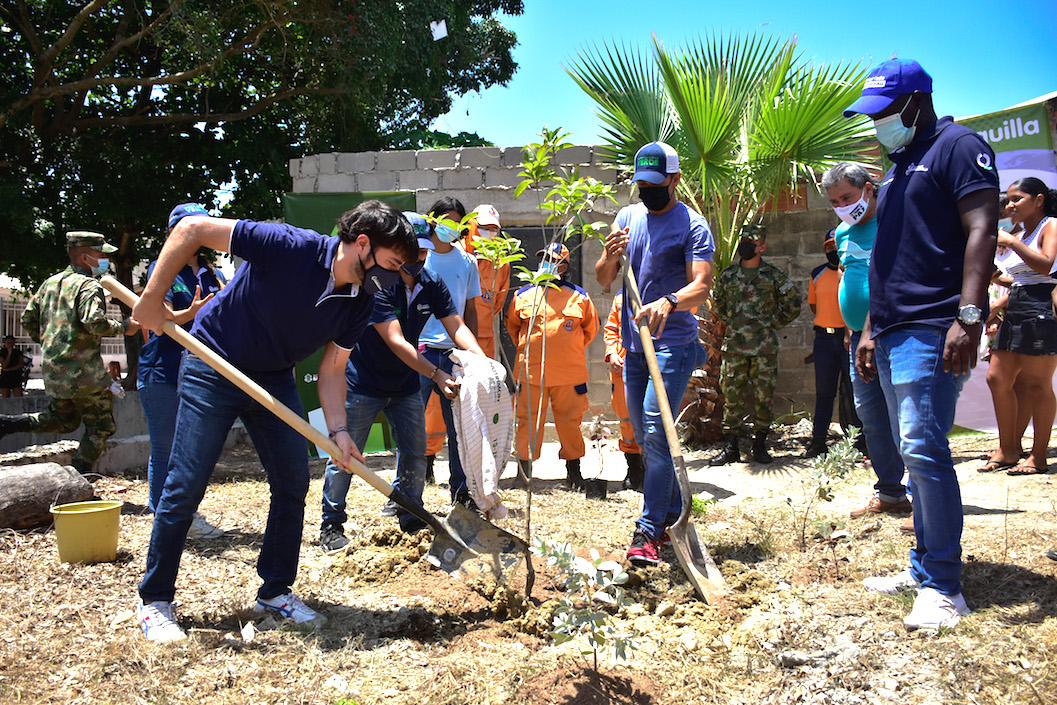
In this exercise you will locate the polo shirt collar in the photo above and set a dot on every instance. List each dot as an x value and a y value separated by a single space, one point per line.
327 255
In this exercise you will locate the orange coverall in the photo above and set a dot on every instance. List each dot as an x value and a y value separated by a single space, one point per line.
615 351
567 319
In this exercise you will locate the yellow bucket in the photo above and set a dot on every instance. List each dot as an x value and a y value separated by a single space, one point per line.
87 531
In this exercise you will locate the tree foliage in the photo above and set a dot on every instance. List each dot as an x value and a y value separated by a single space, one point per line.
112 112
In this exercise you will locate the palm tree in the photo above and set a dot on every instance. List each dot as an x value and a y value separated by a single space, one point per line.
749 118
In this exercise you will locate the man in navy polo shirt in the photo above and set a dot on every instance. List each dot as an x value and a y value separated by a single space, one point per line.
383 376
298 291
669 248
937 224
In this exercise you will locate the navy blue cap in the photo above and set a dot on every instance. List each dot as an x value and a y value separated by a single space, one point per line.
654 162
183 210
887 82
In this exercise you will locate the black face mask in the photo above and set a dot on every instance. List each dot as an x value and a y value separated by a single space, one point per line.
655 198
833 258
378 278
747 249
414 268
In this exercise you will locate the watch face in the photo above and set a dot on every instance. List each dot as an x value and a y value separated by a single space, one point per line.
970 315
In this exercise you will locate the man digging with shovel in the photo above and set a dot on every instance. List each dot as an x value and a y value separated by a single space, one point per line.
297 292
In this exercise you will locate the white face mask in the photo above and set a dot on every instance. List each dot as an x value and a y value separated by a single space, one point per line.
853 214
486 234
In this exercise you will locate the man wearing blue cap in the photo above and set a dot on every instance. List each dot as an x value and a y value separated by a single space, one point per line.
296 292
383 377
669 247
937 223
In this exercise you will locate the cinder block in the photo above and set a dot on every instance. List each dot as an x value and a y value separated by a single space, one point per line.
480 156
295 168
377 180
573 155
401 160
305 185
598 173
418 180
328 163
436 158
601 156
336 183
461 179
501 177
310 165
356 162
513 156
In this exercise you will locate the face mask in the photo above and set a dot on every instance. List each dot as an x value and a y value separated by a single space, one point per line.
892 133
833 258
378 278
486 234
446 233
414 269
747 249
655 198
100 267
548 268
853 214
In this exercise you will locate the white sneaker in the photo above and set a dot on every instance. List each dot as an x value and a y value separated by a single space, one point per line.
289 606
202 529
893 584
933 609
158 623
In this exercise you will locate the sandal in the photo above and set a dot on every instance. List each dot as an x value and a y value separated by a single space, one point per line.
1027 470
996 466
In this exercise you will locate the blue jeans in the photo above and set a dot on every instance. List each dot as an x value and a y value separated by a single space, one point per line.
159 402
661 500
209 405
442 359
921 399
830 359
407 418
880 434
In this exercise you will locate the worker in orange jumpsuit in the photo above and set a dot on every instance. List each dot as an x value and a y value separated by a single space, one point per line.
556 323
615 353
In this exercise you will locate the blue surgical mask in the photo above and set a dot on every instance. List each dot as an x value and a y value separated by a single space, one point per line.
892 133
548 267
100 267
446 233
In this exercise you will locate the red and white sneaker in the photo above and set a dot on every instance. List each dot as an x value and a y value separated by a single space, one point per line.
644 551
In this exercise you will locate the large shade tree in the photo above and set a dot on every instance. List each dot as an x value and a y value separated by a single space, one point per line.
749 117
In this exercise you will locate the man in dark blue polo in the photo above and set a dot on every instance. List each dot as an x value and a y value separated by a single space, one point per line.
937 222
298 291
383 376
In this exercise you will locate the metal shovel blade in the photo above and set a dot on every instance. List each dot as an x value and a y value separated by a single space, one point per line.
476 551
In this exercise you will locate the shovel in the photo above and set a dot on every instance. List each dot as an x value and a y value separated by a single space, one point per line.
693 555
464 544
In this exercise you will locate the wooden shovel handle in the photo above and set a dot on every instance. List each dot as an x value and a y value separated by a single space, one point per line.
259 393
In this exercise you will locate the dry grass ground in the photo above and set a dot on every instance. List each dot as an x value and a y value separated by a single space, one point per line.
799 628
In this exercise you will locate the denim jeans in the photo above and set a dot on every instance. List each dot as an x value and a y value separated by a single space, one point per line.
881 435
159 402
921 399
661 500
442 359
830 359
407 418
209 405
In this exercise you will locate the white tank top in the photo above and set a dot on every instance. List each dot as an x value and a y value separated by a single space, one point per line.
1014 266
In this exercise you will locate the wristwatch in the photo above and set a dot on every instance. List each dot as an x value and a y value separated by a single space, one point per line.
673 300
970 315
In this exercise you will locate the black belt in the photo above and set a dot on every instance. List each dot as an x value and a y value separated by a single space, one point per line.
829 331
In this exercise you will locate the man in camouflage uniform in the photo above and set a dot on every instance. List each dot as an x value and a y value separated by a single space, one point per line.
754 299
67 316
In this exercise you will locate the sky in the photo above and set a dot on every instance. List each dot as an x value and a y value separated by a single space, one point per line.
983 56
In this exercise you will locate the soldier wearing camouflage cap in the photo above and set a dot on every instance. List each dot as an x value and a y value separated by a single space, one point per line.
67 316
755 299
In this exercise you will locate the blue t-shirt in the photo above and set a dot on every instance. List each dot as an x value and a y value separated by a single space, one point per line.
918 257
458 271
374 369
160 356
659 248
854 245
281 305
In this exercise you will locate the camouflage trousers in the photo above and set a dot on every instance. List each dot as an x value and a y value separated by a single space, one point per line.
95 411
739 371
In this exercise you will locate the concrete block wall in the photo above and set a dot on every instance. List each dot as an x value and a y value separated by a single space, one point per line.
478 175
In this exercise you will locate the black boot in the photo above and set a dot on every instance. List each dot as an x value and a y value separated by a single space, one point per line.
759 448
431 479
572 474
730 452
521 481
636 472
13 424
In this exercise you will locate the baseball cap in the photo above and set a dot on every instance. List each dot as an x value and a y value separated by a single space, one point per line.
556 251
84 238
654 162
421 227
487 215
887 82
183 210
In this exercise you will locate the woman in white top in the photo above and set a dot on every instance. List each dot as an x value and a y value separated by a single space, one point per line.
1025 348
